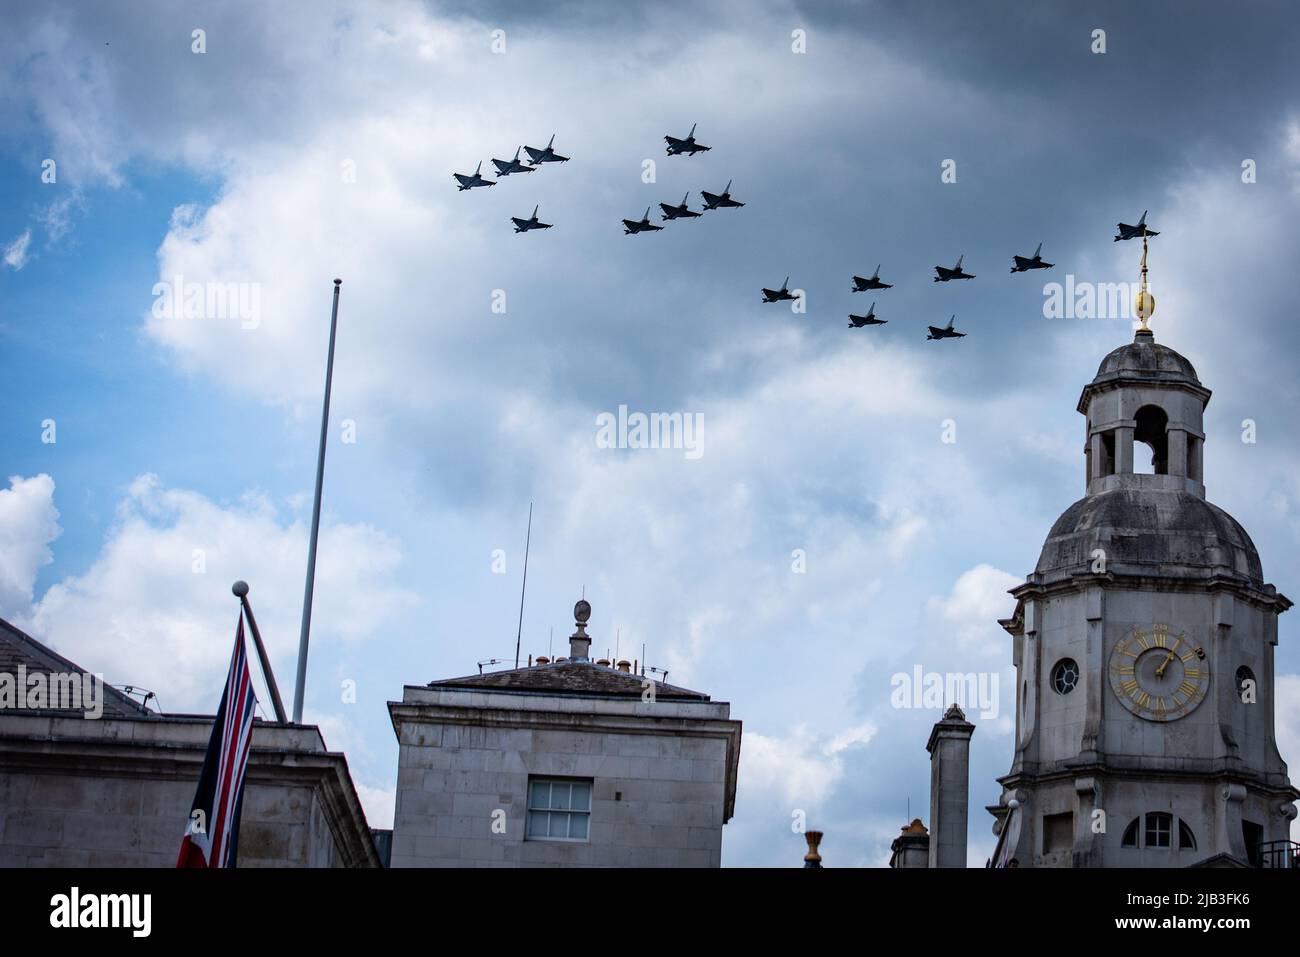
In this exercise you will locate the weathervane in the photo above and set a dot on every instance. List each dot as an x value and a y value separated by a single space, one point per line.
1145 304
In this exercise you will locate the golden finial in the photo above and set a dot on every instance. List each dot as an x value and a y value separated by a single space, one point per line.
1145 303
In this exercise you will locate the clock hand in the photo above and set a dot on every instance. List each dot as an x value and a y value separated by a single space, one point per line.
1160 672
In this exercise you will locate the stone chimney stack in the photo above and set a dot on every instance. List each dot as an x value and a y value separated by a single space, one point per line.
912 847
949 748
580 641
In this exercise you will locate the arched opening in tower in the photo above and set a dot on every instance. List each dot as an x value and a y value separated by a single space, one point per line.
1151 425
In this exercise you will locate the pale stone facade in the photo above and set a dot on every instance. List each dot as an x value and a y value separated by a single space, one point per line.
658 776
116 791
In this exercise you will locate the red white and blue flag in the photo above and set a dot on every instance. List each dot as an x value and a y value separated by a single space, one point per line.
212 837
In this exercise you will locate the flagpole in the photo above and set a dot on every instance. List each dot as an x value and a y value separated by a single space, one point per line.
240 589
300 685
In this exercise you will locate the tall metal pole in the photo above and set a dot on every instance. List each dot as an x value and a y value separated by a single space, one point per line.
519 637
300 685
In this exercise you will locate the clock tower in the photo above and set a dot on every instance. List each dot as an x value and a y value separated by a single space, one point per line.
1143 647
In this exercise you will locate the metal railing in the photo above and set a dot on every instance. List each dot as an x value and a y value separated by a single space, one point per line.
1275 854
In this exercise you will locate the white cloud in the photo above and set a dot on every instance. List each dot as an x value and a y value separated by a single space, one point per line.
799 770
155 609
978 599
28 523
379 804
15 254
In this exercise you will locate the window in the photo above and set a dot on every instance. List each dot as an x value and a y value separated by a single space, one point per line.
1065 676
1158 832
1158 829
559 809
1058 832
1253 835
1247 688
1108 453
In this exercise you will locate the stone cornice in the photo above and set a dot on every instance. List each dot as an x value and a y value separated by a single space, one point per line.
519 719
166 748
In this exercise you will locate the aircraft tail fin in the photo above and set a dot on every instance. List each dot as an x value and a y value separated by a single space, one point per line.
1143 220
479 168
951 320
786 283
535 209
692 132
1039 251
959 259
551 141
727 188
876 274
684 199
647 213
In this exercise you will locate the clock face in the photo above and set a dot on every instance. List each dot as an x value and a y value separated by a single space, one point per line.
1158 673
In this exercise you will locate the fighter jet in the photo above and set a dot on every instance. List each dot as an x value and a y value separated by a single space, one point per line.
778 295
947 332
1021 264
506 167
631 226
469 182
715 201
523 225
677 212
954 273
1133 232
862 285
538 157
688 146
857 322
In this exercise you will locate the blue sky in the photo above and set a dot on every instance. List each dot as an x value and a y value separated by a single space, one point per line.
177 435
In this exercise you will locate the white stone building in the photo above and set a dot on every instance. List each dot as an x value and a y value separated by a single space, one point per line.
116 790
572 762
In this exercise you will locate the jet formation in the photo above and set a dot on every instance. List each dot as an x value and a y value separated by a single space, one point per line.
510 167
723 200
671 212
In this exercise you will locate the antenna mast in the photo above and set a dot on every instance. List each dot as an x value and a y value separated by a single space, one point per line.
528 540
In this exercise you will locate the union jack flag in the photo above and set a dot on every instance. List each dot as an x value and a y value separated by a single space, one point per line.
212 837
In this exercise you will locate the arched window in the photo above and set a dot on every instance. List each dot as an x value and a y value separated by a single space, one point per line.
1158 832
1150 428
1130 838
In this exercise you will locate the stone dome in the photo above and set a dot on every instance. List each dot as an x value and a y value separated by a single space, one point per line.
1144 358
1162 532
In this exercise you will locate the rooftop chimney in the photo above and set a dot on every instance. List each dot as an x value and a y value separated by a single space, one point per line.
813 858
580 641
949 748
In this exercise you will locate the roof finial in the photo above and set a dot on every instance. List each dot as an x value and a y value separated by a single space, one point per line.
1145 303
